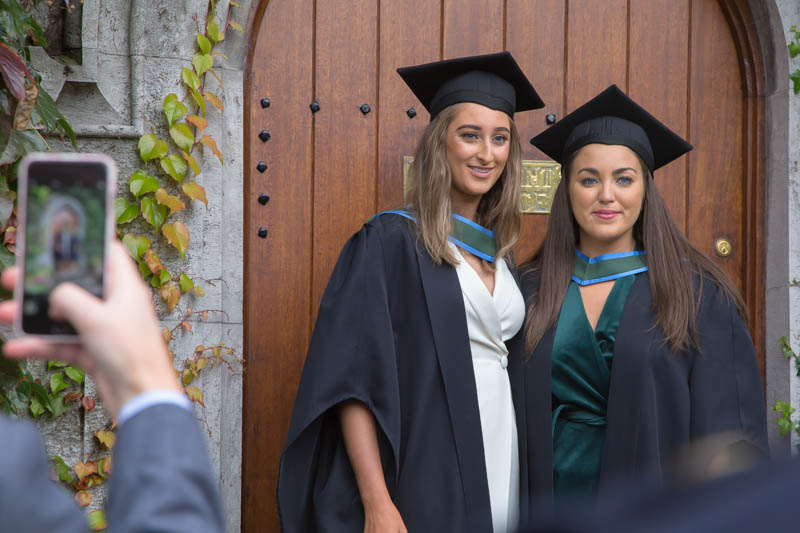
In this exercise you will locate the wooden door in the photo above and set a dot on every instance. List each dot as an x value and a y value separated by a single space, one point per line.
694 63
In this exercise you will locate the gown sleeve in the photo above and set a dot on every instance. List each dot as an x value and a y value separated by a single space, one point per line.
727 400
351 356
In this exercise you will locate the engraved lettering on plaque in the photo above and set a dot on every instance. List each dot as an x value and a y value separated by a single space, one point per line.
539 182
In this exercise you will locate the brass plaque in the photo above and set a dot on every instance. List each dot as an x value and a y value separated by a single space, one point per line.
539 182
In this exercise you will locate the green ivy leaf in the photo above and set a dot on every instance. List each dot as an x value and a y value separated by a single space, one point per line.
47 114
202 62
174 166
151 147
36 408
21 142
54 363
795 77
152 212
212 30
57 383
178 236
62 470
173 108
160 278
124 212
203 43
136 245
190 78
200 101
186 283
182 136
97 520
142 183
75 374
192 163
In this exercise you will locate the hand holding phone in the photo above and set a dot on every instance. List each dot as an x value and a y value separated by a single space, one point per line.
65 209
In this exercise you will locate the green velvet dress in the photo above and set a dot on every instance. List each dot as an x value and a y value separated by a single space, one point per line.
581 374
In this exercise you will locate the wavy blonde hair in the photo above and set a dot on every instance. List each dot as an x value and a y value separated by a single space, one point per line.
429 195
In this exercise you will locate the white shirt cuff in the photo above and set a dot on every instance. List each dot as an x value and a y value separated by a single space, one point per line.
149 399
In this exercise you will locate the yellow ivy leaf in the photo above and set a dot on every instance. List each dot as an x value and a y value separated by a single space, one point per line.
187 376
106 438
195 191
212 145
186 325
97 520
153 261
173 202
201 363
22 116
192 163
196 121
217 354
236 26
83 470
166 334
199 291
220 54
170 293
219 80
234 4
199 349
83 498
195 394
178 236
214 101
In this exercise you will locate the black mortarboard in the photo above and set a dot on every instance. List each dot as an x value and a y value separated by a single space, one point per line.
493 80
612 117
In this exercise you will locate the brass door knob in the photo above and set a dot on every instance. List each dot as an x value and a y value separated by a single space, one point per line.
723 247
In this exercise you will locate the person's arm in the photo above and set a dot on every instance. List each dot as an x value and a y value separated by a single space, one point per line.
361 441
162 478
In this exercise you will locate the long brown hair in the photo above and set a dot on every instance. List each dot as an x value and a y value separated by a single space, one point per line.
429 195
671 259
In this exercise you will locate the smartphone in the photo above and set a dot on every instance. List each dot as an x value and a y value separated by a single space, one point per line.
65 212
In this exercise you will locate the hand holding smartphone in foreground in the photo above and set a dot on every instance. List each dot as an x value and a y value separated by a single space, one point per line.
67 263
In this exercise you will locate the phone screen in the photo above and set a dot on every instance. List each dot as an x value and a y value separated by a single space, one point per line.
64 236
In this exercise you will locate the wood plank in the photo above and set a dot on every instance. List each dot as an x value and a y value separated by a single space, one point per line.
716 166
344 137
277 269
658 80
472 27
409 35
596 48
540 22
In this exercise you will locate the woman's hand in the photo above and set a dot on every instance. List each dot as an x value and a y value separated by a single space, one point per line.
383 517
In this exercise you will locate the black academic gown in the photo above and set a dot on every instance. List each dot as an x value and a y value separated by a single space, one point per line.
391 333
659 401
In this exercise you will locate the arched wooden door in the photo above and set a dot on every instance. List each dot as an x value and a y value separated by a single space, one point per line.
693 63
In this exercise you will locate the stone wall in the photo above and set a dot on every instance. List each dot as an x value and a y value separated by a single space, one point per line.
111 90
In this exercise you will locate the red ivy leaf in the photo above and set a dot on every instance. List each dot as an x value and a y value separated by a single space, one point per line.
14 71
83 498
88 403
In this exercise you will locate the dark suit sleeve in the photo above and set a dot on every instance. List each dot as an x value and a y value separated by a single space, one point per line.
30 500
162 479
725 382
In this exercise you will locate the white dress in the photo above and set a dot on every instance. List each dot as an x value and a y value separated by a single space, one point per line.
492 320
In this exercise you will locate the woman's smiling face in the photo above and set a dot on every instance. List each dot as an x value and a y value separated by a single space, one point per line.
476 147
606 191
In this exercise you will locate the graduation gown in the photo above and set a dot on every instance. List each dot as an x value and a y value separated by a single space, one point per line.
392 334
659 401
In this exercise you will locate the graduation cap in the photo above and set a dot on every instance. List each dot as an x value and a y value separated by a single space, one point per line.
612 117
492 80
